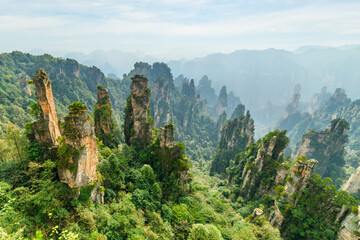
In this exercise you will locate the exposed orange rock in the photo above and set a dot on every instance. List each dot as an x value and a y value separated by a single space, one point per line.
79 134
46 129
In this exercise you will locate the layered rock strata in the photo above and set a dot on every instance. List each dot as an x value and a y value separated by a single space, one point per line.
46 129
140 100
77 166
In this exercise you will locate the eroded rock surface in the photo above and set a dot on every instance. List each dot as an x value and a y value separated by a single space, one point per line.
140 100
46 129
78 161
166 136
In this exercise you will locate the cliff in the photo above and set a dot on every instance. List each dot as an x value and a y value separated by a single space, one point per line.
46 129
137 124
350 229
292 106
260 174
222 103
328 148
206 91
23 81
78 154
104 123
298 180
235 136
352 185
238 111
167 136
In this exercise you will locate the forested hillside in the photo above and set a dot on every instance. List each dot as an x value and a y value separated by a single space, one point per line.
83 156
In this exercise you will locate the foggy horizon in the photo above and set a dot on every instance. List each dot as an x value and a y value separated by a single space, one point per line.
177 29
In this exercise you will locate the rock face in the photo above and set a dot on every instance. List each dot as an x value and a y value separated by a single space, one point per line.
268 155
298 177
140 100
235 136
78 153
166 136
206 91
300 174
350 228
23 81
239 111
233 102
104 124
161 100
292 106
46 129
318 100
189 88
220 123
352 186
326 146
222 101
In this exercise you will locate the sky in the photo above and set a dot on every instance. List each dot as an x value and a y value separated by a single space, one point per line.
176 28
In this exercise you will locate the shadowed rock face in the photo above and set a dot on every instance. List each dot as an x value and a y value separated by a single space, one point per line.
235 135
104 124
46 129
222 101
140 100
78 131
103 99
326 146
166 135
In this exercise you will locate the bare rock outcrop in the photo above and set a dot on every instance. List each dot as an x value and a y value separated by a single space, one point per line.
298 180
222 101
46 129
292 106
350 228
299 175
140 100
352 186
235 135
251 174
327 147
78 154
166 136
23 81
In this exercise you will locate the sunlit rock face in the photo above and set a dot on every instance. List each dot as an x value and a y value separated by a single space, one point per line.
352 186
298 176
78 168
140 100
46 129
350 228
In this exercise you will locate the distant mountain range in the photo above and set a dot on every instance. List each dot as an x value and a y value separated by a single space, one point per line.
258 77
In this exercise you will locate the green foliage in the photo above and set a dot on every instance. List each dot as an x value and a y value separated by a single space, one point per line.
241 127
35 110
204 232
68 157
76 107
310 219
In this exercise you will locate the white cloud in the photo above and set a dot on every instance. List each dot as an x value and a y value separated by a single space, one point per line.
194 25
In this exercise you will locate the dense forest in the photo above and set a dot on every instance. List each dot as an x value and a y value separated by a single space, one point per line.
153 156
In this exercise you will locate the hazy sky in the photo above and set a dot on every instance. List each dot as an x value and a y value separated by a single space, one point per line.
176 28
